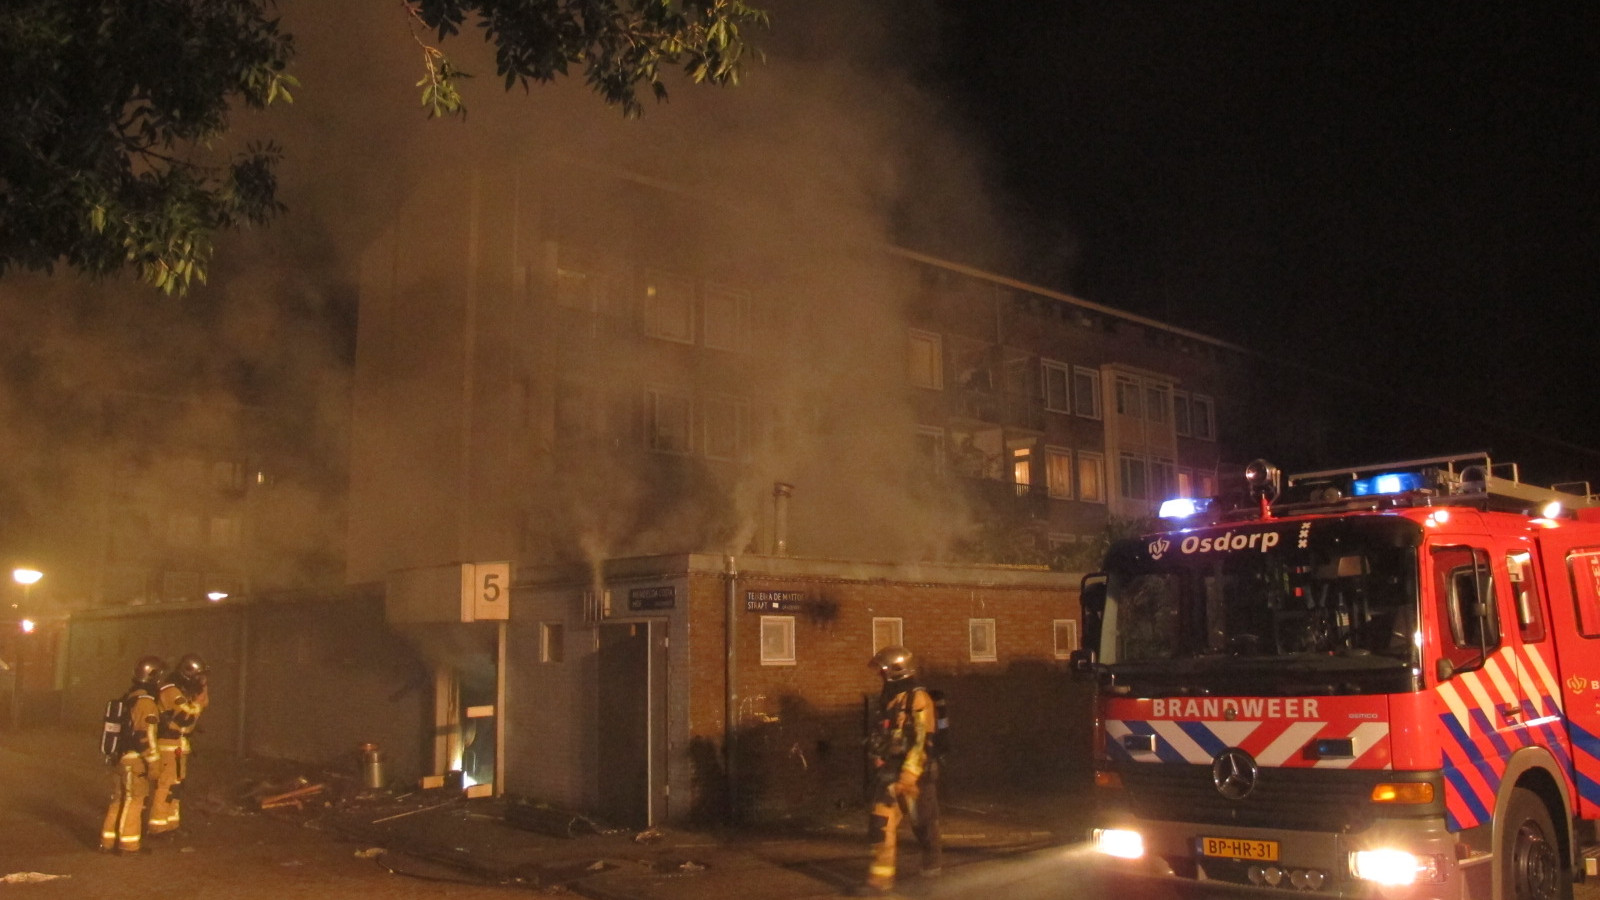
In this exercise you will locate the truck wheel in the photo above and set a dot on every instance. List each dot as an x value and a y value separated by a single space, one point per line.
1529 860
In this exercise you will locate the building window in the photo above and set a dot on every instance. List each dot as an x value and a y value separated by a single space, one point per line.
727 318
1180 413
777 641
887 632
1208 484
725 427
925 360
1091 477
1022 470
224 532
1201 418
669 423
1157 400
1086 392
1066 637
669 308
1185 483
552 642
1058 473
1128 400
930 449
1057 386
1131 467
980 640
1163 484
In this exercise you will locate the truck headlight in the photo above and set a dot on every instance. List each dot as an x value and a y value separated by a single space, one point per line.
1395 867
1119 842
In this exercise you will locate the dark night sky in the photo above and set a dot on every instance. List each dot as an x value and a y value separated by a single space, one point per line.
1404 194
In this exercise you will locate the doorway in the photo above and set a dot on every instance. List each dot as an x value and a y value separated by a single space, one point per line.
632 704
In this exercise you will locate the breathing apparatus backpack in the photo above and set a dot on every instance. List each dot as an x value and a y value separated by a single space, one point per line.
939 742
116 735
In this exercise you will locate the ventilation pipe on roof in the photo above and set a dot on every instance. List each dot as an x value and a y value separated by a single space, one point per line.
780 517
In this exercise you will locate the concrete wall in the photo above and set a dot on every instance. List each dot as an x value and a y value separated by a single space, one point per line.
320 676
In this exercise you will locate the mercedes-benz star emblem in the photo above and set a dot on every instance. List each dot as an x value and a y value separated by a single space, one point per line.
1234 773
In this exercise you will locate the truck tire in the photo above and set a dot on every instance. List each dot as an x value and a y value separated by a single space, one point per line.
1529 858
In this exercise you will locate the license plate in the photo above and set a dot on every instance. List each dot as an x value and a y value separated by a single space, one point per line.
1239 848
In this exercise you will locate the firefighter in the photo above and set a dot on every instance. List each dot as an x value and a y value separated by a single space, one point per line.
135 767
906 773
182 698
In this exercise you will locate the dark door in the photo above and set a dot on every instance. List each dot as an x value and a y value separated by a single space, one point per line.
631 695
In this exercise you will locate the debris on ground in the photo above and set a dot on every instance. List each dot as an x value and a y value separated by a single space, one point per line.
29 878
370 853
648 836
296 798
549 820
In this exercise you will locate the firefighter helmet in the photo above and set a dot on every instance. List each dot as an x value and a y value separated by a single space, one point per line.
191 671
894 663
149 670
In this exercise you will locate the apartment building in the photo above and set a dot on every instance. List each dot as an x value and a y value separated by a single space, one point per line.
1070 414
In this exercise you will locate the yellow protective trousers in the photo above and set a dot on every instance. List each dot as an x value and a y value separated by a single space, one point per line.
130 788
173 768
884 827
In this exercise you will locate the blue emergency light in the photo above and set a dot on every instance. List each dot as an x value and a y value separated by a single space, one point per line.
1387 483
1183 507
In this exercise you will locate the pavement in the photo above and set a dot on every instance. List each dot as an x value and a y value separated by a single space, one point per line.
992 839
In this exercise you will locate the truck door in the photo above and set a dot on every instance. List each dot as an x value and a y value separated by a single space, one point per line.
1576 633
1482 715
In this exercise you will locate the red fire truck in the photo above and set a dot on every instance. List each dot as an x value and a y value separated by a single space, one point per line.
1373 682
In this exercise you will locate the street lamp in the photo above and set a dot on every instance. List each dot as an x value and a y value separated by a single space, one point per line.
27 578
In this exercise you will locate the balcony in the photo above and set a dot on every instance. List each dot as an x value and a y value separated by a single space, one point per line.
1004 409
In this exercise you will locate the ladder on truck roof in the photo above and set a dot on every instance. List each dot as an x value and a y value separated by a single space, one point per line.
1466 479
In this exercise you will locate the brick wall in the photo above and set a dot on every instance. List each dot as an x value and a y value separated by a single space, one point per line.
1016 720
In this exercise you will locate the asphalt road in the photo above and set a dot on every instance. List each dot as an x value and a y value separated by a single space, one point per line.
53 794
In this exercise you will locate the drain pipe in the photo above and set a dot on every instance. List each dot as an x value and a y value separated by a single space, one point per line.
730 712
781 493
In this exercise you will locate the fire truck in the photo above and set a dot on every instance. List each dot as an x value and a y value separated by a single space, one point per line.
1376 682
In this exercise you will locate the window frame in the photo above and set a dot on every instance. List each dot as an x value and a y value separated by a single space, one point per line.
1055 637
653 398
740 328
784 628
1129 396
654 317
739 408
935 342
1181 414
1097 461
1046 367
975 653
1091 378
1053 488
1133 469
895 624
1204 425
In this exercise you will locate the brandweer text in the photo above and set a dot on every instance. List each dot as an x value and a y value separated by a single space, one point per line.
1249 708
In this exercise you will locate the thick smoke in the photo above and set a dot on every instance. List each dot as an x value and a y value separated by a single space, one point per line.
826 154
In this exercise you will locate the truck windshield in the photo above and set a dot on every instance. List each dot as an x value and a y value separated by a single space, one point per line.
1291 607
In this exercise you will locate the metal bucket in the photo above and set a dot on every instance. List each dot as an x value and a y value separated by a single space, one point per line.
372 775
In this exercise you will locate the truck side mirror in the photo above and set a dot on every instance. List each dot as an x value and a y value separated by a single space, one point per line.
1081 662
1444 669
1092 600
